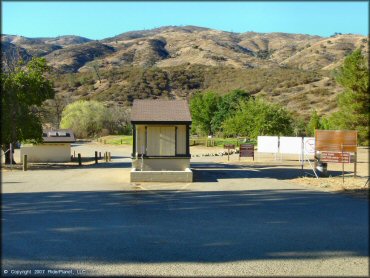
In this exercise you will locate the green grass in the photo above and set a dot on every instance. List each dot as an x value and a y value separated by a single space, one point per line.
116 139
127 140
219 142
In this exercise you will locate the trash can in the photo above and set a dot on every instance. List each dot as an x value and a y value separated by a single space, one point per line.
322 169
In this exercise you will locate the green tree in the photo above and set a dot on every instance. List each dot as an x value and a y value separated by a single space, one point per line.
314 123
354 102
326 123
258 117
317 122
203 108
85 118
299 127
23 88
227 107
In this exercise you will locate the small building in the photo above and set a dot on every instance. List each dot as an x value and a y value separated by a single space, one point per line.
161 149
56 147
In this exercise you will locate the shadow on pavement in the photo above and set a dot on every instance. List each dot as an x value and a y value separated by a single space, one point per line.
186 226
87 163
212 172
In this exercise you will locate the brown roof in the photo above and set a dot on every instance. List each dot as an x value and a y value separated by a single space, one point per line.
58 136
160 111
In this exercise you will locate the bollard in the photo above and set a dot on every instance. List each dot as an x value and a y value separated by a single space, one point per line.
109 157
24 162
99 155
71 157
79 159
96 157
106 157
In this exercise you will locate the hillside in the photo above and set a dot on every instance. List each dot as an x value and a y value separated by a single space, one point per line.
172 46
71 57
175 62
298 90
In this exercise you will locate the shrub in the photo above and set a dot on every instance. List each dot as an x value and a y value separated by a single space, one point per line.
258 117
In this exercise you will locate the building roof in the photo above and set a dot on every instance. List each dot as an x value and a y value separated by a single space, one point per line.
58 136
148 111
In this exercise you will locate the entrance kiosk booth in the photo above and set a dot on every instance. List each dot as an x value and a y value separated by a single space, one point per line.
161 149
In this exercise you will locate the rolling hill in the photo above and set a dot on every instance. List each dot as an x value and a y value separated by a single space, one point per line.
175 62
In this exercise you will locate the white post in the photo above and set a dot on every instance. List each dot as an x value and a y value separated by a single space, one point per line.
11 156
302 153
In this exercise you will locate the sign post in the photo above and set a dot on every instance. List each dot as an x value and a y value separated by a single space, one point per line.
336 146
229 147
246 150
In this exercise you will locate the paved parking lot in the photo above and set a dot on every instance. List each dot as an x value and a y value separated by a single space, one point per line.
234 220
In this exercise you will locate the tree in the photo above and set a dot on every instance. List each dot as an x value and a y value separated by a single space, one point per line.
91 118
203 108
23 88
258 117
227 107
95 66
51 110
299 127
85 118
118 120
313 124
354 102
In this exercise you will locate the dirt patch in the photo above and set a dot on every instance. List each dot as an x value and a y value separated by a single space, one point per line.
357 187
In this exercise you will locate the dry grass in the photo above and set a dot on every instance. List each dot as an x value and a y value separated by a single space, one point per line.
356 187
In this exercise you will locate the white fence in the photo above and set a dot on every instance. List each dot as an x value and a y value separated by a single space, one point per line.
268 144
290 145
286 145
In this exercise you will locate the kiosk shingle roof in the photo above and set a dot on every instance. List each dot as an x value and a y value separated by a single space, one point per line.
160 111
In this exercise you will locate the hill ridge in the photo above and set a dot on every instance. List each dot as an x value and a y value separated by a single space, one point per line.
195 45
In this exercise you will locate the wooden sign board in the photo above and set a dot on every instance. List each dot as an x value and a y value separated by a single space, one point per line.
246 150
335 157
229 146
335 140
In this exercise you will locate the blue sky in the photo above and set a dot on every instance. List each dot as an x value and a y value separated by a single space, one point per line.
98 20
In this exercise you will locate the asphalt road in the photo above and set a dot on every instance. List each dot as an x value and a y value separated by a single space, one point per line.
233 221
